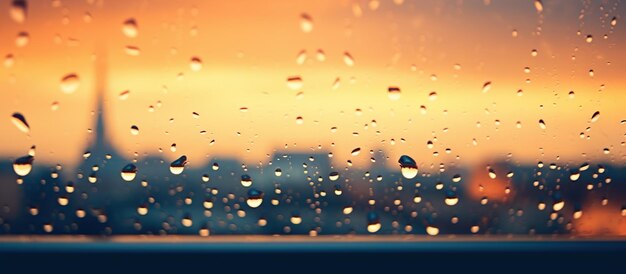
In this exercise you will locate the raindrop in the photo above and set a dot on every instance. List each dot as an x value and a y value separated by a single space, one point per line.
294 82
186 221
538 5
178 165
393 93
20 122
542 124
595 116
347 58
246 180
124 95
451 198
278 172
19 10
299 120
306 23
255 198
432 231
130 28
533 53
614 21
589 38
333 176
301 58
129 172
22 39
132 50
196 64
486 87
320 55
9 60
70 83
356 151
142 210
23 165
408 167
373 222
134 130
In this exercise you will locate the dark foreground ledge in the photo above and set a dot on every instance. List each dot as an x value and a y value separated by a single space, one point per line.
302 254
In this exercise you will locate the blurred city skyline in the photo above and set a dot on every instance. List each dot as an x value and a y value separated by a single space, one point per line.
242 68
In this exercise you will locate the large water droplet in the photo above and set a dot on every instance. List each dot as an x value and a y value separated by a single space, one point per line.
129 172
178 165
20 122
333 176
595 116
23 165
408 167
134 130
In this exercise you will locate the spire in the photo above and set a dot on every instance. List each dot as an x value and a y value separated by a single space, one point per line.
100 75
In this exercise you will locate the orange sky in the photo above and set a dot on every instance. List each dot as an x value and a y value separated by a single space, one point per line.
249 49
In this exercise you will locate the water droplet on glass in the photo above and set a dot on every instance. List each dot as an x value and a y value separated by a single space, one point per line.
255 198
589 38
356 151
486 87
124 95
20 122
301 58
70 83
132 50
432 231
23 165
320 55
246 180
347 58
614 21
595 116
178 165
142 210
542 124
408 167
196 64
393 93
533 53
333 176
538 5
299 120
129 172
373 222
134 130
278 172
451 198
295 219
306 23
22 39
294 82
19 10
187 221
130 28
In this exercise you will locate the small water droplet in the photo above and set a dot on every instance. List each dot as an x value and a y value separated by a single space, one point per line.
373 222
134 130
294 82
408 167
432 231
333 176
130 28
538 5
356 151
347 59
301 58
129 172
22 39
595 116
178 165
393 93
196 64
70 83
255 198
320 55
19 10
278 172
306 23
246 180
542 124
589 38
299 120
533 53
132 50
614 22
486 86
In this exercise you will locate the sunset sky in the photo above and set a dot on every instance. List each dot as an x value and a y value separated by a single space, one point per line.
248 49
